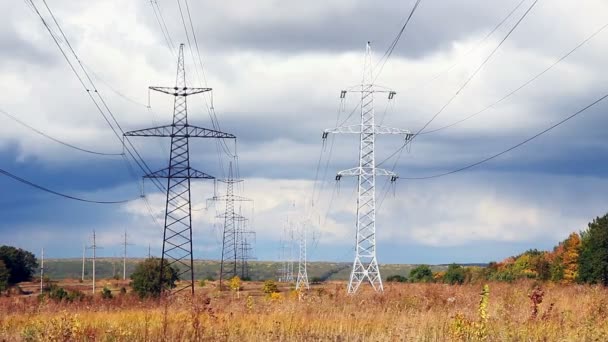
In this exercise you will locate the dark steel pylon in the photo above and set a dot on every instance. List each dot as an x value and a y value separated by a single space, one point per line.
177 236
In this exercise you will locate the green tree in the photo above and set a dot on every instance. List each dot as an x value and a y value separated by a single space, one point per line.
4 274
454 275
593 260
20 263
146 278
421 274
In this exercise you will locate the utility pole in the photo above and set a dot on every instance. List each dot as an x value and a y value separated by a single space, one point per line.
149 255
232 236
302 281
177 236
94 247
42 271
84 248
124 256
365 265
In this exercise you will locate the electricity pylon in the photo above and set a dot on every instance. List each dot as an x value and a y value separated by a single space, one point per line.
302 281
232 236
365 265
177 236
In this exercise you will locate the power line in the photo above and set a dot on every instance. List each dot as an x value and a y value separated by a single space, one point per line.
462 87
475 47
485 61
389 51
40 187
525 84
514 146
55 139
134 153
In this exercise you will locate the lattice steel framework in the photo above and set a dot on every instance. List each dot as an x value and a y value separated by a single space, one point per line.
232 241
302 280
177 236
365 265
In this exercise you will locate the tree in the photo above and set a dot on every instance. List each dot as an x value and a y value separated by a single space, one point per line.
146 278
593 260
4 275
421 274
454 275
20 263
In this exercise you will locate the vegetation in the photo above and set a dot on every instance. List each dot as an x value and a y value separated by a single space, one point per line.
455 274
593 261
405 312
146 278
4 275
421 274
20 263
396 278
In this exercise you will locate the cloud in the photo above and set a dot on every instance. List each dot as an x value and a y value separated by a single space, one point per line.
277 69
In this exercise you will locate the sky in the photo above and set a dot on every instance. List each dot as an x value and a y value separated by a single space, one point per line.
277 69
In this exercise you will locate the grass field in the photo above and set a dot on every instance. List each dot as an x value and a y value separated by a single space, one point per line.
405 312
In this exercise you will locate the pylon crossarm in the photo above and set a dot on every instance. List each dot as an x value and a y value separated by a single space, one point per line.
390 130
175 91
353 129
185 131
235 198
179 173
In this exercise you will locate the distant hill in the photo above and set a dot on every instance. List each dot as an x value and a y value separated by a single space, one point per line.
258 270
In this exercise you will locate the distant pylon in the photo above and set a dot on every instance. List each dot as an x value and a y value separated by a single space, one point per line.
289 259
232 235
365 265
177 237
124 256
94 247
302 282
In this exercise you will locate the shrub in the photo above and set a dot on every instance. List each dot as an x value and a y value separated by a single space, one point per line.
421 274
202 283
454 275
106 293
270 287
396 279
146 278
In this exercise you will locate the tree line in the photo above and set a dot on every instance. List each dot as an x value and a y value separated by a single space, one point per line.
580 258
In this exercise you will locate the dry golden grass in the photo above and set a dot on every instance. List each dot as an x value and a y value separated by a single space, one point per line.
405 312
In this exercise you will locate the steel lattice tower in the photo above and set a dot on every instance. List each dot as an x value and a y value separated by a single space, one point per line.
233 233
177 236
365 265
302 281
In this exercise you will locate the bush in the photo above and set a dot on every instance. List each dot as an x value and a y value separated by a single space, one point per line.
270 287
146 278
396 279
421 274
106 293
454 275
202 283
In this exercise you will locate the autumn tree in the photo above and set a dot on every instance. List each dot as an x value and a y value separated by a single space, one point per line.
572 249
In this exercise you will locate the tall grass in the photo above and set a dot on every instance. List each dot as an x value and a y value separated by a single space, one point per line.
410 312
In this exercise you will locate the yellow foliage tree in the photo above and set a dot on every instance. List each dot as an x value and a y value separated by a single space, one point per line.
572 249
